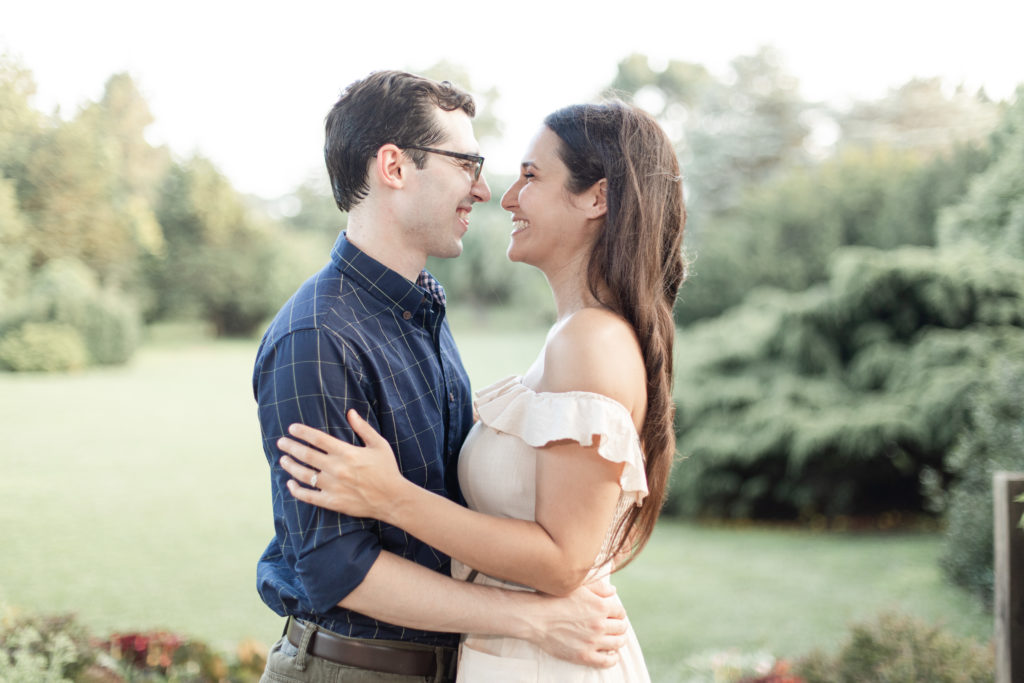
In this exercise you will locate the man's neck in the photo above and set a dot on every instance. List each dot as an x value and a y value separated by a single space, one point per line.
382 245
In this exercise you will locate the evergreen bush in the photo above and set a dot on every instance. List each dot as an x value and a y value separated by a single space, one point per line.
43 347
899 649
64 301
834 401
994 441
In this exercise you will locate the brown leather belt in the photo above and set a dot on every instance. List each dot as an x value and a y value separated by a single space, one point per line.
365 654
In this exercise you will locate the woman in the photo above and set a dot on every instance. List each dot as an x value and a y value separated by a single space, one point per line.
566 469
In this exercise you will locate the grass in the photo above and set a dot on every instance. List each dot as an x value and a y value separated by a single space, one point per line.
137 498
785 591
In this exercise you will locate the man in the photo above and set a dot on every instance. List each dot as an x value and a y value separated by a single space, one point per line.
365 601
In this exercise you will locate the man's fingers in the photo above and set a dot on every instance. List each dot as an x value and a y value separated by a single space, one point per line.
616 626
616 610
602 588
601 659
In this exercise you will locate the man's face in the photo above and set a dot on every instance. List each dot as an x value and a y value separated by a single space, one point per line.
443 192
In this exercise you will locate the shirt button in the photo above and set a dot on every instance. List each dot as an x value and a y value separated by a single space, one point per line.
406 315
451 397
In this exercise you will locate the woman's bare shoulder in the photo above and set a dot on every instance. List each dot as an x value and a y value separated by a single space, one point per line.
596 350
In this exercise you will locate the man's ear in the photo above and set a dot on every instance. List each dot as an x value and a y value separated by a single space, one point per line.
389 166
596 204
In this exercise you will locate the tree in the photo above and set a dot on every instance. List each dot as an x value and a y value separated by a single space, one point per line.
68 194
84 186
783 232
314 209
991 218
921 116
14 255
486 124
730 133
19 122
221 263
19 125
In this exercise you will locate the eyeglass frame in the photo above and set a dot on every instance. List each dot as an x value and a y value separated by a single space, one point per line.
476 158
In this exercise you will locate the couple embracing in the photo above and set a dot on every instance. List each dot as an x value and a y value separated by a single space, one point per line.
425 536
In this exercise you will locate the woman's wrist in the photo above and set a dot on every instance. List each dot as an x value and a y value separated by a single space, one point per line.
399 503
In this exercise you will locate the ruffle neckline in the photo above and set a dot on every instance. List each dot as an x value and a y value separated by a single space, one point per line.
539 418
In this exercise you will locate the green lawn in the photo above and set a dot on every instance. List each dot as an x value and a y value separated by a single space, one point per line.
137 498
697 590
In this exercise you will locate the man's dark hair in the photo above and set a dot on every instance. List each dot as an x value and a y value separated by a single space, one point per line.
385 107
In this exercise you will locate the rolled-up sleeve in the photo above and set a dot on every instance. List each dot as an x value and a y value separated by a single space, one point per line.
312 377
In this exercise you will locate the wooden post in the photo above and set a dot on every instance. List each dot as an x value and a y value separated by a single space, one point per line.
1009 570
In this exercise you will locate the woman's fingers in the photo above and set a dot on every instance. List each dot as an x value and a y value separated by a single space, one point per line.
302 452
297 469
311 496
316 438
364 431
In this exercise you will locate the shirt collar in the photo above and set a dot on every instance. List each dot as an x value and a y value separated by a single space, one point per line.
382 282
433 287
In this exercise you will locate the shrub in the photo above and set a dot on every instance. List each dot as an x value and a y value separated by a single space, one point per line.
836 400
19 660
994 441
162 655
57 649
65 293
43 648
899 649
43 347
734 667
110 325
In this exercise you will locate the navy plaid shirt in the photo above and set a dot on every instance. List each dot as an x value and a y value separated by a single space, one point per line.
357 335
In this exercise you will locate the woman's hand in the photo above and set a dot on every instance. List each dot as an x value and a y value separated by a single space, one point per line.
361 481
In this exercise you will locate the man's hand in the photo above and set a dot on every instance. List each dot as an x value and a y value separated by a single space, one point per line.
586 627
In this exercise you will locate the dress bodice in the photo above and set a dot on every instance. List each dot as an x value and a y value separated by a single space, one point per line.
497 466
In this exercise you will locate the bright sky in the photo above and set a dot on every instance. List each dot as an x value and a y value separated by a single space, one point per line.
248 83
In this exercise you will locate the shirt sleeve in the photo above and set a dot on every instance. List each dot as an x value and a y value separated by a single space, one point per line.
312 377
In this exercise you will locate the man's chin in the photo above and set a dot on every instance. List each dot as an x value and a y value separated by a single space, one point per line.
453 250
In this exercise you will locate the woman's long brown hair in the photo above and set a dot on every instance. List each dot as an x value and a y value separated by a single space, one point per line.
636 266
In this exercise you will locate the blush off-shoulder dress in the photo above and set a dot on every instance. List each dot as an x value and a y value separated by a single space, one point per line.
497 472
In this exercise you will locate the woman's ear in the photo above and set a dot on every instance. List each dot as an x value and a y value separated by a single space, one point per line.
596 204
388 166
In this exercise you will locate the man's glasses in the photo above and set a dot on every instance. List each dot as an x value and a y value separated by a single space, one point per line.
478 161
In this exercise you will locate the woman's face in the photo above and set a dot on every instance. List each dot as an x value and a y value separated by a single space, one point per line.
548 222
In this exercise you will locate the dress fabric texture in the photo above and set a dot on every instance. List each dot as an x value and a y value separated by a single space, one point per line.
497 470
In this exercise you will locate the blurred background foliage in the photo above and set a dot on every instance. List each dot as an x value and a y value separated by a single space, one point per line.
851 337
